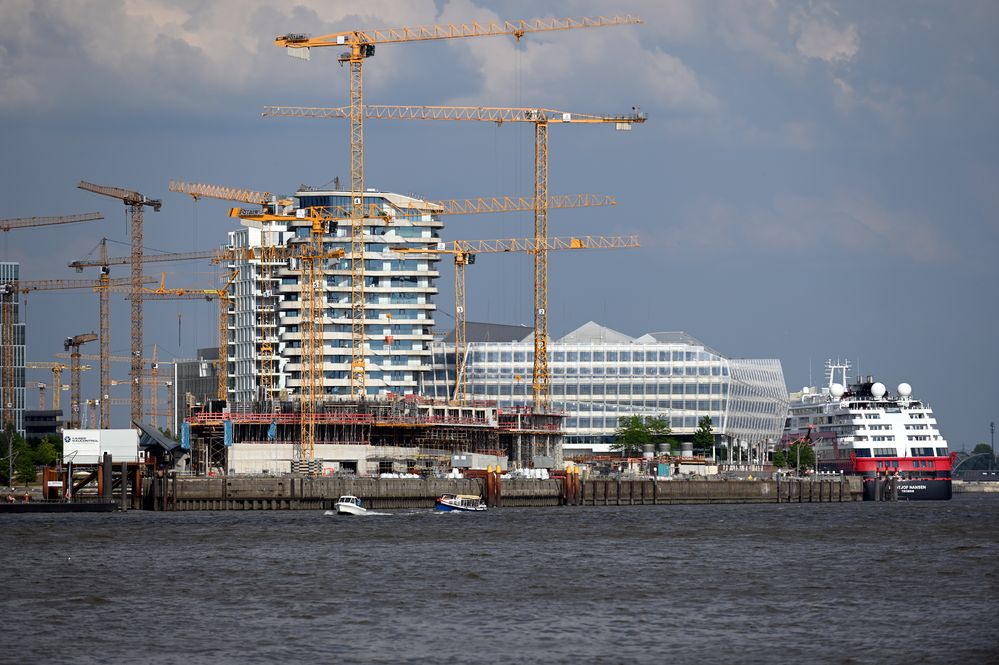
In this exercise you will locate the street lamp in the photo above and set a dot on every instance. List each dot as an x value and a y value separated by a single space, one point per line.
992 431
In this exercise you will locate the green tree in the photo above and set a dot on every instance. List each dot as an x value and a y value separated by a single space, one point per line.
24 463
632 433
660 431
704 439
45 453
982 462
779 461
807 456
14 444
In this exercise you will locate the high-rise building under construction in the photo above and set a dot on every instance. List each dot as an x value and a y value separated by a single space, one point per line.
268 301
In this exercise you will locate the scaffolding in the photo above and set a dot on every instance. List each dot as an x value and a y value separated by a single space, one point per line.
428 430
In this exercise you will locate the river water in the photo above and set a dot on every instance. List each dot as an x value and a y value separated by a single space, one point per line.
811 583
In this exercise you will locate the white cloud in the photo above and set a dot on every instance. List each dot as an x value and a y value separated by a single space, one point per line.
674 85
843 94
173 51
177 51
565 69
822 41
755 27
818 38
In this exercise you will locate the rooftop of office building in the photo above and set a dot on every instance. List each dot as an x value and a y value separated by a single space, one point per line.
589 333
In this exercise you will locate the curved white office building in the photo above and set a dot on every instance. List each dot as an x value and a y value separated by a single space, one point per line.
599 375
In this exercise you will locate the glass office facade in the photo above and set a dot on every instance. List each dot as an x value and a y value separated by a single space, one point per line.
599 375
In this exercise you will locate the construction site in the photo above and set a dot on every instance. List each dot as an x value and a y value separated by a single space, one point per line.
326 316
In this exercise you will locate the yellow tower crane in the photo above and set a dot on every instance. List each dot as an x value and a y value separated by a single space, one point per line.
154 381
8 304
223 297
541 118
269 202
104 302
31 222
312 284
105 422
57 369
135 202
464 252
361 45
270 252
216 256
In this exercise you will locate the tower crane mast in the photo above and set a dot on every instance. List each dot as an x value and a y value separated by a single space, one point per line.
104 317
464 252
135 202
57 369
540 118
75 343
8 298
361 45
223 297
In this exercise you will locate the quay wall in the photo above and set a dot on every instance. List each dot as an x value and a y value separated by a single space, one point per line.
640 492
975 487
293 492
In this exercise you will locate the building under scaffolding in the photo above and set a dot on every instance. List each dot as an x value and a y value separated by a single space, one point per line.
367 437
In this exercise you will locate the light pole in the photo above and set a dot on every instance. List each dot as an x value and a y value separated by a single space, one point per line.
992 431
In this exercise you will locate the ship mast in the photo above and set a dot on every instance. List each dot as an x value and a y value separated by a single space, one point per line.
840 366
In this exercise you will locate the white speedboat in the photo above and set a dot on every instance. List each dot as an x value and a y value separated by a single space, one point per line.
349 505
460 503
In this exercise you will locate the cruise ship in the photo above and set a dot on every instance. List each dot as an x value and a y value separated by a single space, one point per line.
861 428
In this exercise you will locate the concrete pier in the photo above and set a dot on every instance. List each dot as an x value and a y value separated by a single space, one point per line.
316 493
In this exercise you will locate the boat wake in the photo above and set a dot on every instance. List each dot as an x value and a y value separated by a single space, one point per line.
369 513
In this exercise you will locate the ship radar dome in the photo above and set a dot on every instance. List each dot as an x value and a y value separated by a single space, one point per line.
878 390
904 390
836 390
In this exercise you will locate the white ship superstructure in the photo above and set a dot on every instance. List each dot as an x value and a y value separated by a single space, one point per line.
860 427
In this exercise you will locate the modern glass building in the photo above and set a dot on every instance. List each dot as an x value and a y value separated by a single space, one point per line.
398 297
599 374
14 346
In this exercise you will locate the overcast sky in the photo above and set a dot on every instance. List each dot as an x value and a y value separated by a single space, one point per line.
815 179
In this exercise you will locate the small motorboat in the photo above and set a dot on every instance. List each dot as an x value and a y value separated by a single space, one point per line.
460 503
349 505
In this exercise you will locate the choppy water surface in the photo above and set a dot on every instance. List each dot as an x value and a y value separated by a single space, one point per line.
849 583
